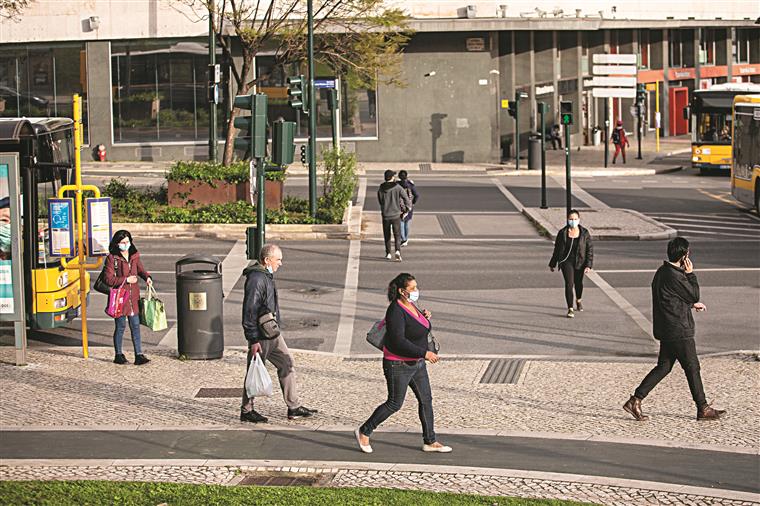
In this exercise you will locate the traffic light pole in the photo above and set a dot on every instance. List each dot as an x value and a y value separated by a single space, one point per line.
212 144
312 114
541 111
638 125
606 132
261 215
517 131
568 189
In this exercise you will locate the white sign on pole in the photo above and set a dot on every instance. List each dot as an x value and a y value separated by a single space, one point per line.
620 59
614 81
98 226
615 70
614 92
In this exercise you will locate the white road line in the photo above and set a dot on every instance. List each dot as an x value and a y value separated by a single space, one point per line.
622 303
176 255
518 205
582 194
464 239
468 213
687 231
690 226
345 333
715 221
716 269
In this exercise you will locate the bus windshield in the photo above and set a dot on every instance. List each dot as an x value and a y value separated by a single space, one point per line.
714 127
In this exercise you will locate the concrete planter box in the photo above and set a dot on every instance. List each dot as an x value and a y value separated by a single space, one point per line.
195 193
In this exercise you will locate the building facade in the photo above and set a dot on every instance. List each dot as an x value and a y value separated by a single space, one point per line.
141 66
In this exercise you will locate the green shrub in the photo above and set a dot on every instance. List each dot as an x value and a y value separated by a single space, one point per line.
208 172
339 181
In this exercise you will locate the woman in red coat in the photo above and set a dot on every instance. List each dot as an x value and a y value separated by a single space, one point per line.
123 266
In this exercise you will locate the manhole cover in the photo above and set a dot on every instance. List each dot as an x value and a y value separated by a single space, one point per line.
303 323
287 479
219 393
314 291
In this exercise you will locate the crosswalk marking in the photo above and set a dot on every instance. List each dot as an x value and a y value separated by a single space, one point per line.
719 225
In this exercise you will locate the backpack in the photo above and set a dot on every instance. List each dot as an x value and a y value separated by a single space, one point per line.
615 137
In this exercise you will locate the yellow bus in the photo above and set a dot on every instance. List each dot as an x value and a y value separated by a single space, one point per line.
745 164
710 112
46 155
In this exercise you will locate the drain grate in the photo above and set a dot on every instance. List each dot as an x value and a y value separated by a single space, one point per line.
503 371
287 479
449 226
219 393
425 167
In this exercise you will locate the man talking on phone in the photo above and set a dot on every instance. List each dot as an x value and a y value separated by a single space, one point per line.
675 292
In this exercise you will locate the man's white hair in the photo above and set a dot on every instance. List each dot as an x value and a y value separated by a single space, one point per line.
267 251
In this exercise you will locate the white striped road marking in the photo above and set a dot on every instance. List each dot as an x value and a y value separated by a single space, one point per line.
582 194
345 332
715 233
464 239
689 226
715 269
518 205
707 219
622 303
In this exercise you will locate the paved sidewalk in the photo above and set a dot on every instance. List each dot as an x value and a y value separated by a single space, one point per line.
603 224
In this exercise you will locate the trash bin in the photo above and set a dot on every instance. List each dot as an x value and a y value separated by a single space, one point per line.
597 136
200 329
534 151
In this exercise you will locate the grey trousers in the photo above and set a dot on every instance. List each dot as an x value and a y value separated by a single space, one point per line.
276 351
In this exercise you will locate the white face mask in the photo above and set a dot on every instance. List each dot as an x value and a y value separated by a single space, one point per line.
414 296
573 223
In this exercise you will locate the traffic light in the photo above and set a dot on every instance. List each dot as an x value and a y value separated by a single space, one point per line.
512 108
332 99
304 152
641 94
283 147
298 96
252 246
566 112
253 136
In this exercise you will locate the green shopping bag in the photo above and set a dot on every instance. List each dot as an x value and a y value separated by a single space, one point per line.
152 312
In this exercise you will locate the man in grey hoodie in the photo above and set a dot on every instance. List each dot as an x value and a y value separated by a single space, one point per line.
392 197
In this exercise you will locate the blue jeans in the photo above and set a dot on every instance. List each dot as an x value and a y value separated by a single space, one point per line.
398 376
134 327
405 230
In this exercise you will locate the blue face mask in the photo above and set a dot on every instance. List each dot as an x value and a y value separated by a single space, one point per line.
124 247
269 269
414 296
5 236
573 223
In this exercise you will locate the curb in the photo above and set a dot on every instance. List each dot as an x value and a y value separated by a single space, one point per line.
547 229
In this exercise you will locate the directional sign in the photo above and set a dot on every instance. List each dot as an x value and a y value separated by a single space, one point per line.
615 70
320 84
613 81
614 92
620 59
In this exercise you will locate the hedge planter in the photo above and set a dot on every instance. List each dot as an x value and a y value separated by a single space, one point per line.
196 193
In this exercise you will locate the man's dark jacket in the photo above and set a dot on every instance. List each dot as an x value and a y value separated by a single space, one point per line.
585 257
390 195
674 292
260 297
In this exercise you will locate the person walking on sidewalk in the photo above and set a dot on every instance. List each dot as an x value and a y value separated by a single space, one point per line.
675 292
260 298
555 137
392 198
574 254
620 141
122 267
404 354
411 192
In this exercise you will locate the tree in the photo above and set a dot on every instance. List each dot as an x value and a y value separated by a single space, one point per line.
11 9
360 40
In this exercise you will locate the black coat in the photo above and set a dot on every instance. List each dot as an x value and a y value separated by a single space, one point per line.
259 297
404 335
585 256
674 292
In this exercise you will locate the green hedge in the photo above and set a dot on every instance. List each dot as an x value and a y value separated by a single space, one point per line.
208 172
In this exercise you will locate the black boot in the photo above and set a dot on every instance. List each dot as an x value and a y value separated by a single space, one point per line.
120 359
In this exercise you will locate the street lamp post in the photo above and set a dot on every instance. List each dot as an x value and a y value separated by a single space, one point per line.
312 114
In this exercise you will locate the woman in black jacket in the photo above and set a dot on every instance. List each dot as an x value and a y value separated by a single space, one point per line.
404 356
574 253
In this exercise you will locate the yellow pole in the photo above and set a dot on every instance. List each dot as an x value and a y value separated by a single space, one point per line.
80 242
657 112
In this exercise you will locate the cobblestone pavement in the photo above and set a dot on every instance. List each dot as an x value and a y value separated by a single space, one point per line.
59 388
468 483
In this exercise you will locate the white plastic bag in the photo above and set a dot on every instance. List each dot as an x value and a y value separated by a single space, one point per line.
257 381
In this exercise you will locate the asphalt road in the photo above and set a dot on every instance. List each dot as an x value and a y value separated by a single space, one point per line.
482 271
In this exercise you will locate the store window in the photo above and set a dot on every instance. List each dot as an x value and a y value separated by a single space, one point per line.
358 106
676 48
741 45
159 91
40 81
707 47
644 49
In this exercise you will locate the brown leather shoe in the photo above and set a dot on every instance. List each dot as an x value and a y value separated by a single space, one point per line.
707 412
633 406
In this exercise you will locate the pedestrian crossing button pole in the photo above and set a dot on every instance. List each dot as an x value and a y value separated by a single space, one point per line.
541 111
566 114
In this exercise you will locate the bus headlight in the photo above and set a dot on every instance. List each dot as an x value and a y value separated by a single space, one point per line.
59 303
694 158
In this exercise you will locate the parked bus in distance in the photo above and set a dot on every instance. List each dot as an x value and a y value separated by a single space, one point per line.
745 164
710 113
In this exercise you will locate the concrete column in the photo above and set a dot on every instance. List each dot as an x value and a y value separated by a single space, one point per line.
697 64
532 81
556 66
581 92
730 32
665 102
495 88
99 105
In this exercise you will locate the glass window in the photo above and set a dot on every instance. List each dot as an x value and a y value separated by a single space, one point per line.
358 106
160 91
741 45
644 49
39 81
707 47
674 42
714 128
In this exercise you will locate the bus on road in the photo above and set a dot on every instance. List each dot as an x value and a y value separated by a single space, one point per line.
711 125
46 158
745 165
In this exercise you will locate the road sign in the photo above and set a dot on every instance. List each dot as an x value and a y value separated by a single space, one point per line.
619 59
321 84
613 81
61 227
615 70
614 92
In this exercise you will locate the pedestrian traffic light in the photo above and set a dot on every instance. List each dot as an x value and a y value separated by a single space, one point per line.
641 95
252 246
253 129
566 112
304 152
283 147
512 108
298 96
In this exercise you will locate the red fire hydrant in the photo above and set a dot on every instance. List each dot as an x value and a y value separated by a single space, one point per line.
101 153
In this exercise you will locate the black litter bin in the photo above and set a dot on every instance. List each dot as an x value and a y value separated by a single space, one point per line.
534 152
200 328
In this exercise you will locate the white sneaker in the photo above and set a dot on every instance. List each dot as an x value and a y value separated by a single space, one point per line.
388 256
364 448
404 243
398 256
436 449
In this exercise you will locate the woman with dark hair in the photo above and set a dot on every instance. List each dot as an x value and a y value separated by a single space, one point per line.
574 253
404 354
123 266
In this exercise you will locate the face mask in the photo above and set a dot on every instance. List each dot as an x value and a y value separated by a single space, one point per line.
124 247
5 237
269 269
573 223
414 296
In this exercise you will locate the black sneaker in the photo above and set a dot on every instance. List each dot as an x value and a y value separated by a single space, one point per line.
253 416
300 412
120 359
141 359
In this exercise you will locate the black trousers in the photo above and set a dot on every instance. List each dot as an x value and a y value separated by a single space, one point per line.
573 279
685 352
394 223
